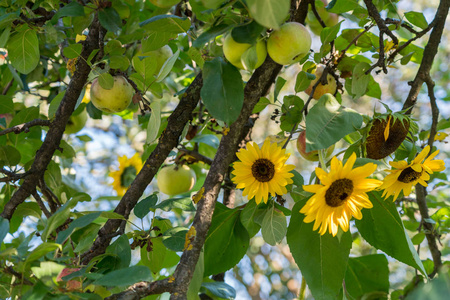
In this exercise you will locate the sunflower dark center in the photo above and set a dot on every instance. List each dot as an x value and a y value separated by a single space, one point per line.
338 192
376 145
409 175
263 170
127 176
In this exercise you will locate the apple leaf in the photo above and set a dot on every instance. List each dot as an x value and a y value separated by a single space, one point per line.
154 123
360 79
73 50
417 18
210 34
327 122
269 13
342 6
106 81
167 23
23 50
156 39
125 277
223 90
248 33
167 66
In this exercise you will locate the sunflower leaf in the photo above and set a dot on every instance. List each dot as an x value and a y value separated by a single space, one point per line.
382 227
328 121
322 259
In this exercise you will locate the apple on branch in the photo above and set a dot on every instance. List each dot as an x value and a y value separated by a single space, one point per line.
76 122
115 99
321 89
289 44
175 179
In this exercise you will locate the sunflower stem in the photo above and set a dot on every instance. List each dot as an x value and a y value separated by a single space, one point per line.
322 162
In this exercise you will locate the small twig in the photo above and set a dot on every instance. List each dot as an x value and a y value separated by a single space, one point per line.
41 204
353 42
434 110
197 156
52 199
12 176
26 126
316 14
23 279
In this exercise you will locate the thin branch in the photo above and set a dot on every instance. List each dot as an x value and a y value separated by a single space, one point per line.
353 42
428 56
25 127
9 270
197 156
12 176
41 204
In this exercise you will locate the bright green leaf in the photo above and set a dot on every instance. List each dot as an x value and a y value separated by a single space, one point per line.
269 13
23 50
274 226
125 277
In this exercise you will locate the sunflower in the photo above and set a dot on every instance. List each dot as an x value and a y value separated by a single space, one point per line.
128 169
404 176
262 171
386 133
340 195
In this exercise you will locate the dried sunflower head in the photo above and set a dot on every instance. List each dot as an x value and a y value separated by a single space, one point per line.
386 134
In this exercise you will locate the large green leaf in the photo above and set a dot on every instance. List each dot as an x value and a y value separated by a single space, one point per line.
322 259
417 18
78 223
166 23
367 275
360 79
342 6
41 250
274 226
382 227
269 13
154 258
124 277
9 156
6 104
110 19
328 122
227 240
247 218
23 50
223 90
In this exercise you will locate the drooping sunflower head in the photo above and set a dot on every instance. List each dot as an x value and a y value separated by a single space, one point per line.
404 176
340 195
128 169
262 171
386 134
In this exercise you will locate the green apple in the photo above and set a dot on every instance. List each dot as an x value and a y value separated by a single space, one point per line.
330 19
115 99
312 155
321 89
234 52
164 3
289 44
175 180
76 122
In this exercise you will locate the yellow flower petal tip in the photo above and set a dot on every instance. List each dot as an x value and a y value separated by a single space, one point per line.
404 176
262 171
340 195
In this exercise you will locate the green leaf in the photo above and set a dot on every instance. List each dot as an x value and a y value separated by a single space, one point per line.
119 62
73 9
110 19
185 204
227 240
7 19
121 249
367 274
53 107
342 6
58 218
145 66
4 229
262 103
106 81
197 278
328 34
328 122
279 84
269 13
303 81
382 227
248 33
274 226
114 47
417 18
247 218
210 34
167 23
5 36
78 223
174 238
220 289
435 289
322 259
207 139
196 56
143 207
156 39
41 250
125 277
6 104
23 50
222 91
9 156
360 80
154 123
167 66
155 258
